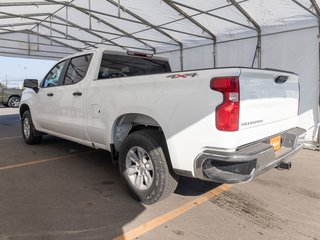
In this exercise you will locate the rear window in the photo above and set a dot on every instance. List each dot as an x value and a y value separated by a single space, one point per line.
114 66
77 69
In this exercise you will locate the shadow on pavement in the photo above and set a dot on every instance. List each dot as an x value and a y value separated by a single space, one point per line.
79 197
194 187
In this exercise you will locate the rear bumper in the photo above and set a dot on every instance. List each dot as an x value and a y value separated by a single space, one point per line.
245 164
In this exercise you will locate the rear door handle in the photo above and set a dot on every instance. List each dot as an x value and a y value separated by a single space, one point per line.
50 94
77 94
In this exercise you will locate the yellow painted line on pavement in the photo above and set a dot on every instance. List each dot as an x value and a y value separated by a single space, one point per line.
42 161
156 222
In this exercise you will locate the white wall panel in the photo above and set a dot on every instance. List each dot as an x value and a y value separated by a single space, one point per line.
236 53
198 58
298 52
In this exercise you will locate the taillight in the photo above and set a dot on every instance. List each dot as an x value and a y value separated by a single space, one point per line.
227 113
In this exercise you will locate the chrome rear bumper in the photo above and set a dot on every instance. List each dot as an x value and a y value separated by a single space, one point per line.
249 162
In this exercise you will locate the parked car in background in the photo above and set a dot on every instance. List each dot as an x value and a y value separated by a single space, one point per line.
10 97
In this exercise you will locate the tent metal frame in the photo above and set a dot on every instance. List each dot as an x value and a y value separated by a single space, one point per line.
257 28
196 23
145 22
162 29
31 17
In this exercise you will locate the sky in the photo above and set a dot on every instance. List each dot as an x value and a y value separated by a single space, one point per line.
15 70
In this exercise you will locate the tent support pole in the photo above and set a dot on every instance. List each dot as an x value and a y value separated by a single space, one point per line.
259 49
62 33
144 21
91 15
38 38
192 20
245 38
53 40
209 13
30 3
90 19
31 17
50 28
91 33
29 49
116 28
41 51
214 44
87 42
305 8
50 15
35 42
255 24
67 19
181 57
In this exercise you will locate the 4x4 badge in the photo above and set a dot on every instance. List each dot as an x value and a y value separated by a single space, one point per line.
182 75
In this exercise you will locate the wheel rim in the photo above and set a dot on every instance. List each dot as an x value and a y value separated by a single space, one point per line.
139 168
26 127
15 102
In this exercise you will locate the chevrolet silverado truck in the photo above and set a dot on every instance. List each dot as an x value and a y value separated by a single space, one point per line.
10 97
224 125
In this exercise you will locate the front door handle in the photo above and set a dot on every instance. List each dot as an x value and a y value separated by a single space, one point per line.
50 94
77 94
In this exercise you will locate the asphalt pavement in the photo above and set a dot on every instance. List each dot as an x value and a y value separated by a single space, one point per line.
62 190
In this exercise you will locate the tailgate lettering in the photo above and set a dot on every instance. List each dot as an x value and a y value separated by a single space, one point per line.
251 122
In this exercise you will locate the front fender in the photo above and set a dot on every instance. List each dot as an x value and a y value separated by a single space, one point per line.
28 102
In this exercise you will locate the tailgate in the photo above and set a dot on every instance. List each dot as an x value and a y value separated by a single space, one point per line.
267 98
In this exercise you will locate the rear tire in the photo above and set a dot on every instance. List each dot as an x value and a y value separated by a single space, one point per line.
143 162
30 134
14 102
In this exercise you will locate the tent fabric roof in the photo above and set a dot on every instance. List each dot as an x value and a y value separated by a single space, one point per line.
54 28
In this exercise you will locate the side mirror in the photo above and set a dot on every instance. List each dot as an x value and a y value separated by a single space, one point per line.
31 83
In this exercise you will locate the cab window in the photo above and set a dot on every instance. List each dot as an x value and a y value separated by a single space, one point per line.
77 69
115 66
52 78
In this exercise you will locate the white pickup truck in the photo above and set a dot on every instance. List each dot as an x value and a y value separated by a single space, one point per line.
225 125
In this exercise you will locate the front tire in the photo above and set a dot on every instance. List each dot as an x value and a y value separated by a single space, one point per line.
14 102
30 134
143 162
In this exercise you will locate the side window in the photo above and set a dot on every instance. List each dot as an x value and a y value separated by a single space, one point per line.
52 78
77 69
115 66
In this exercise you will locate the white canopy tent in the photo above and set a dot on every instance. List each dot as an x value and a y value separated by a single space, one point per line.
193 34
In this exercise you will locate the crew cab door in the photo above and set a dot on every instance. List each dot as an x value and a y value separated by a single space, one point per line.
66 101
47 109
